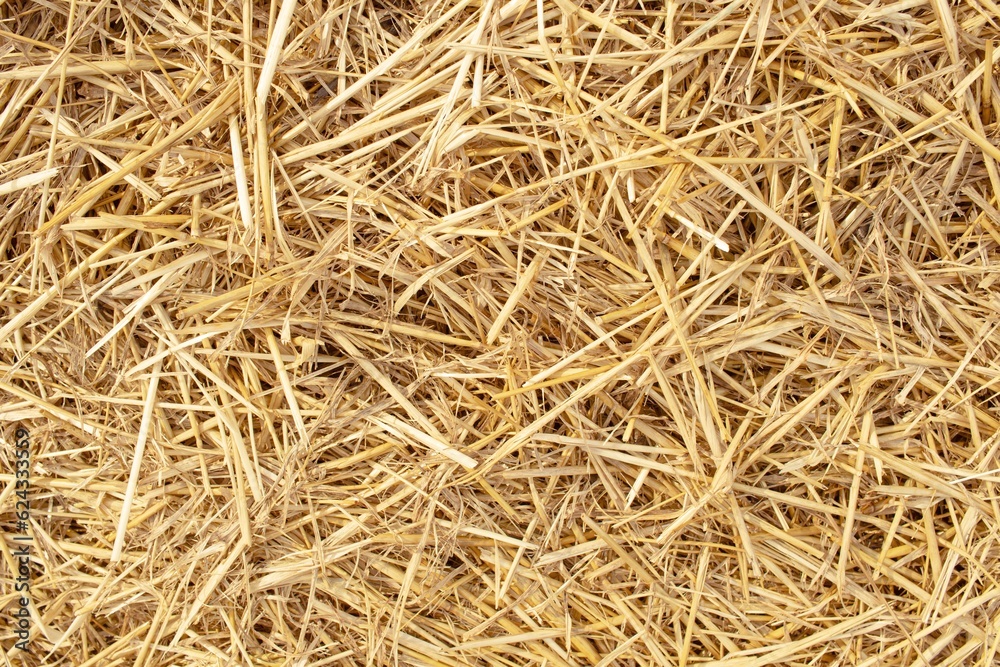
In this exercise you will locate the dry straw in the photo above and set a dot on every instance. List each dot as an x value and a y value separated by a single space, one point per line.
473 332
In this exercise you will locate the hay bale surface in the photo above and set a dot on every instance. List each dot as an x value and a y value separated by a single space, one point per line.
476 332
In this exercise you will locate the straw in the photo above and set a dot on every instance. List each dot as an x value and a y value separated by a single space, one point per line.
533 332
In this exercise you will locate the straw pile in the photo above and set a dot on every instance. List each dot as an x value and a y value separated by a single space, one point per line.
481 333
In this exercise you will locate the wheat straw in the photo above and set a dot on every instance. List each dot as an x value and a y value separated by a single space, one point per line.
532 332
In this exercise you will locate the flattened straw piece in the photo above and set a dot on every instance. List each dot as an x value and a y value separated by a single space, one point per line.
429 276
58 414
708 236
503 640
949 31
522 285
699 586
401 428
240 173
64 128
140 448
492 535
135 308
27 181
852 504
523 545
485 13
640 569
987 85
605 24
934 106
275 46
429 434
208 588
286 386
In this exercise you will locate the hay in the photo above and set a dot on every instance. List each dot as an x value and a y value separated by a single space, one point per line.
503 333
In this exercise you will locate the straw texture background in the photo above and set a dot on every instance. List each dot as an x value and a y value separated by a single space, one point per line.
475 332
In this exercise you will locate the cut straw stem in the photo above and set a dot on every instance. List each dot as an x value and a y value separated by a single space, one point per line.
275 46
140 448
